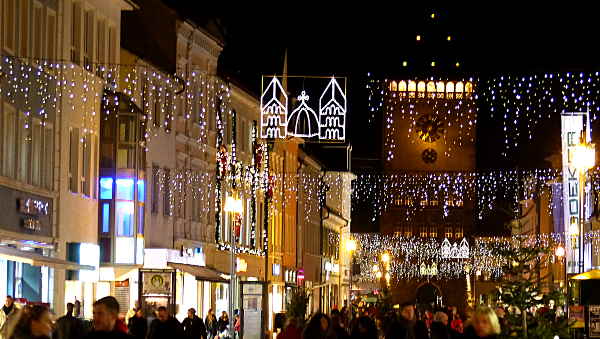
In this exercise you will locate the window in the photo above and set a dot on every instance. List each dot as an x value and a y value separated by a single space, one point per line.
157 108
105 217
24 145
155 188
112 43
48 163
449 232
424 233
36 153
9 23
88 36
76 33
106 188
458 232
169 110
140 225
124 218
101 46
141 190
95 167
433 231
124 189
51 35
87 162
9 137
74 160
24 27
167 211
38 24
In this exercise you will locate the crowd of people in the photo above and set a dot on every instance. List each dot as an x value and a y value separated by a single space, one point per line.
36 322
399 324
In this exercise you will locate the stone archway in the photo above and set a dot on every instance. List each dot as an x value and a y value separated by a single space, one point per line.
428 294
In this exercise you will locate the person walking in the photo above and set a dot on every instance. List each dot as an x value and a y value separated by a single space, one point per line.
8 316
291 330
105 316
165 326
223 324
68 326
193 326
34 322
138 325
439 327
211 324
485 324
318 327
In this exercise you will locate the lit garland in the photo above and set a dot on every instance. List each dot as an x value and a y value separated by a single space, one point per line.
518 103
409 255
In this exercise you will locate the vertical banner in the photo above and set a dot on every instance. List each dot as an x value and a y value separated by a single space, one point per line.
571 127
572 124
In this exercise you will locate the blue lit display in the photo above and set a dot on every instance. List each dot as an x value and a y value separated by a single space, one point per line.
106 188
141 191
125 189
105 218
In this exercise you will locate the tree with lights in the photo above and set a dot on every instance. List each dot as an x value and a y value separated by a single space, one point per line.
522 290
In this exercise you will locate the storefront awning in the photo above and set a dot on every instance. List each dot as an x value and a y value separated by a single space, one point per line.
200 272
35 259
592 274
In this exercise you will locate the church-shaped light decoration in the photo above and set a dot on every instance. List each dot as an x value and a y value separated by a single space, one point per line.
433 270
463 250
423 269
273 111
446 248
454 251
303 121
332 112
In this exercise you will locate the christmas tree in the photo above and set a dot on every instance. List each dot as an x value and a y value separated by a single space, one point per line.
527 292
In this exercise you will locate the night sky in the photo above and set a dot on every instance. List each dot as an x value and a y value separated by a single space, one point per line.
505 38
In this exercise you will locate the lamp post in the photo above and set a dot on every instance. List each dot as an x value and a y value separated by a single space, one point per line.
350 247
584 158
235 208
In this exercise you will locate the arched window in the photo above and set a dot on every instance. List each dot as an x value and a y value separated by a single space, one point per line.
421 89
402 86
459 90
431 89
440 88
412 88
393 86
450 90
468 90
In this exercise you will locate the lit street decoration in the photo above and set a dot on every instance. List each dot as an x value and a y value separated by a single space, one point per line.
303 122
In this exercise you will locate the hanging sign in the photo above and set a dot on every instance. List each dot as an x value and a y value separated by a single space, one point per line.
318 106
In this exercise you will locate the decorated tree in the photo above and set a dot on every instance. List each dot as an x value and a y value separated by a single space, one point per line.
524 288
297 304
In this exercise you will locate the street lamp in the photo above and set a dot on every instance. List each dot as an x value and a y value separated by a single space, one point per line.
584 158
235 207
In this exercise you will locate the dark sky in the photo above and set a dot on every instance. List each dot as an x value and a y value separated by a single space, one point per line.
351 40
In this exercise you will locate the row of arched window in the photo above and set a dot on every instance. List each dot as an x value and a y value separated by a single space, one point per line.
431 89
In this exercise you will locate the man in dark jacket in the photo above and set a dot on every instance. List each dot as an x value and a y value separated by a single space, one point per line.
165 326
193 327
138 325
404 326
106 313
67 326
